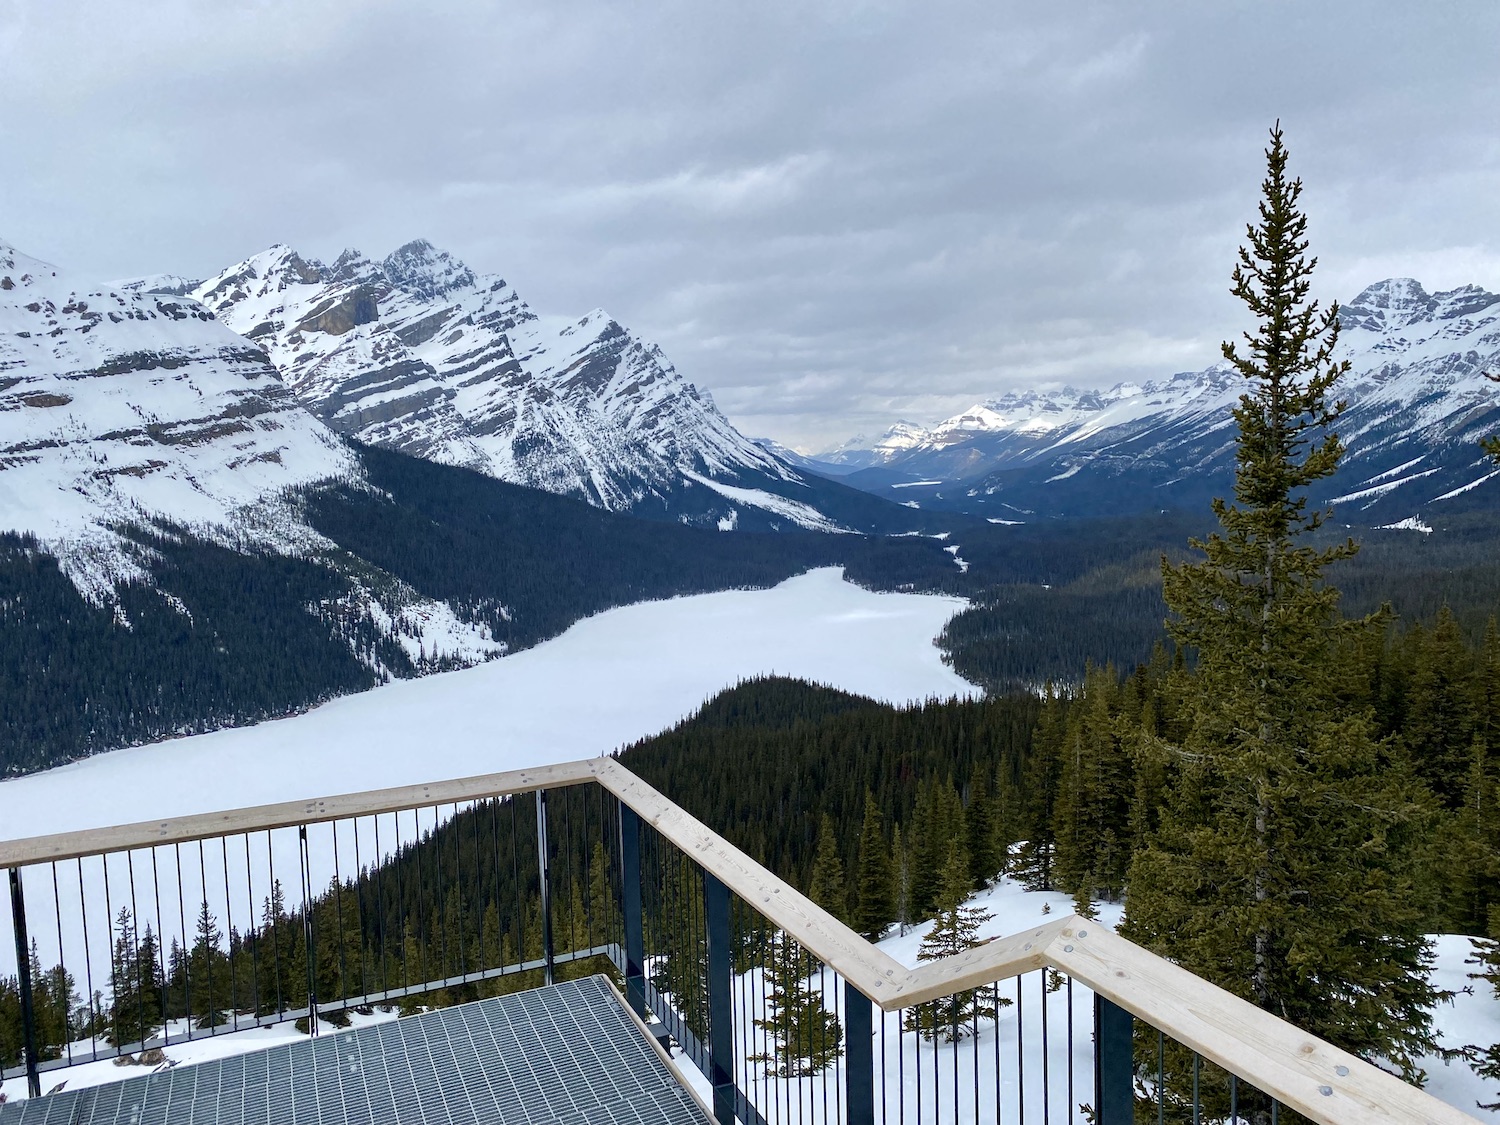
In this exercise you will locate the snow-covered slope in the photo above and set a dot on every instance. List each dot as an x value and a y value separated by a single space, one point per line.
123 408
120 405
418 353
1418 403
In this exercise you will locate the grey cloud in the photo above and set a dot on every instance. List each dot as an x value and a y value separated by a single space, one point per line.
829 215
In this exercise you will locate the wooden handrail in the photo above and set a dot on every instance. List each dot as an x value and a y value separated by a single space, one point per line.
287 814
1318 1080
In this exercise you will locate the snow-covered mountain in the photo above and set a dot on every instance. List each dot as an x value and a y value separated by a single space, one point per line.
120 406
418 353
123 410
1418 403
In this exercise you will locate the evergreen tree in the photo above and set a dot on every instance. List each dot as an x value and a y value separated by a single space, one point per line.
1281 866
900 878
207 970
827 884
938 821
876 905
1040 784
603 914
954 929
804 1036
1091 816
979 830
135 982
1438 726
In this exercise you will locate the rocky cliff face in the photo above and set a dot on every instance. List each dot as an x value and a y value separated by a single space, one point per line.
420 354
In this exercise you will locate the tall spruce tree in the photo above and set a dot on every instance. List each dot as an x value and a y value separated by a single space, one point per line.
826 887
1281 866
979 830
875 908
803 1037
955 929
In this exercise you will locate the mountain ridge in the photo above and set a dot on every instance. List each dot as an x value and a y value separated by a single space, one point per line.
1418 403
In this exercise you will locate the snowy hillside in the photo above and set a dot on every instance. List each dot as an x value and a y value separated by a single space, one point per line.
418 353
118 405
1418 403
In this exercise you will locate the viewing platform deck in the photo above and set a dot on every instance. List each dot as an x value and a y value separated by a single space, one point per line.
568 1054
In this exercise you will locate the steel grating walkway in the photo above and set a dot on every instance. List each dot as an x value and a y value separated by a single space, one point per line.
569 1054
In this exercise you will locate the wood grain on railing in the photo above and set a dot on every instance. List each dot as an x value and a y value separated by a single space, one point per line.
287 814
1313 1077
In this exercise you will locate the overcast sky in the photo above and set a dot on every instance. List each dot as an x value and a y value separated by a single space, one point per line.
831 215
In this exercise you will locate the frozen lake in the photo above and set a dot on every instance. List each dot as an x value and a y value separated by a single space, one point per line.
609 680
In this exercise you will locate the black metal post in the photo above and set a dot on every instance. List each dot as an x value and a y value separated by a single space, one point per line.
720 1006
630 893
1114 1091
630 908
23 970
859 1058
548 972
307 930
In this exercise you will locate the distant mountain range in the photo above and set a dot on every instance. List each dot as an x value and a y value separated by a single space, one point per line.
1418 404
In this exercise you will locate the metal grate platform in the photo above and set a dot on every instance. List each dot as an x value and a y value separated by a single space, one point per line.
569 1054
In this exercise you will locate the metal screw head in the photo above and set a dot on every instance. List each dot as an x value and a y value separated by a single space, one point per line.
1341 1071
1067 949
1083 933
1326 1091
1027 945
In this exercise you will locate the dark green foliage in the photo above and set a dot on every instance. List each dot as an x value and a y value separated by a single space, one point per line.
955 928
826 884
1282 864
802 1036
767 787
1036 808
979 830
73 681
1091 819
876 887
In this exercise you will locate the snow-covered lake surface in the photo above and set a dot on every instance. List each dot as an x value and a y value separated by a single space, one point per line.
609 680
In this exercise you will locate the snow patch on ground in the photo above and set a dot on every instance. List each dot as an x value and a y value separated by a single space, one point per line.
1410 523
804 515
1461 489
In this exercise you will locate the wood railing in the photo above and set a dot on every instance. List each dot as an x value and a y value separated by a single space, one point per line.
1301 1072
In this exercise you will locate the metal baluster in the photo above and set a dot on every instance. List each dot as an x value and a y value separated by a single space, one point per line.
549 970
630 909
720 1010
307 931
23 968
859 1070
1114 1094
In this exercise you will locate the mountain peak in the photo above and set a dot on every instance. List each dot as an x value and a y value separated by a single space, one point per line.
1392 303
21 270
424 271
